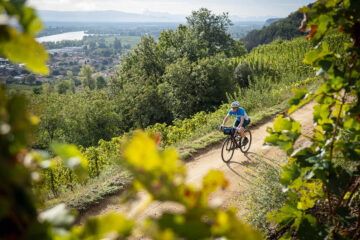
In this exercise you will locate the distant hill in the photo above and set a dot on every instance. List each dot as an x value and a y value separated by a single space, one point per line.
118 16
286 28
270 21
108 16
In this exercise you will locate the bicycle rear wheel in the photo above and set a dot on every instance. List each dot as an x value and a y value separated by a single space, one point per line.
246 147
228 149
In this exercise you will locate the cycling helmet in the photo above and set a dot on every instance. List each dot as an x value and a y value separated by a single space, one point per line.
235 104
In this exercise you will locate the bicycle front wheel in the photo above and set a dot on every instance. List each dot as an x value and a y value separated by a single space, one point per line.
228 149
245 147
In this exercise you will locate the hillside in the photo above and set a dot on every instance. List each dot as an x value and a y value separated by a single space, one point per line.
285 29
241 172
270 21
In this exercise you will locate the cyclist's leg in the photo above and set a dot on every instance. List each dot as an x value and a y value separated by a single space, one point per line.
245 123
236 125
241 129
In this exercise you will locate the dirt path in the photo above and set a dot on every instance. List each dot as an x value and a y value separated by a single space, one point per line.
238 171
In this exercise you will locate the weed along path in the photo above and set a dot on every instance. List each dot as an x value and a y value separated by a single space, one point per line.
239 172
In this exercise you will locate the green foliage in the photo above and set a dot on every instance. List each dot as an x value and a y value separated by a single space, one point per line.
243 74
318 181
19 168
37 90
86 76
186 71
15 183
212 30
126 105
70 118
284 134
141 106
260 96
279 59
171 134
145 60
117 44
20 45
265 195
100 82
169 86
192 87
24 222
161 175
30 79
62 87
285 29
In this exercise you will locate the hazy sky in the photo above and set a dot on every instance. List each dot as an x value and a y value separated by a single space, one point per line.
242 8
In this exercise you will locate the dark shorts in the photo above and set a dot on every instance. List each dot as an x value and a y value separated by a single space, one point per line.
245 123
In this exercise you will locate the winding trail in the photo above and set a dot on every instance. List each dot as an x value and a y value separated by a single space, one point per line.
239 171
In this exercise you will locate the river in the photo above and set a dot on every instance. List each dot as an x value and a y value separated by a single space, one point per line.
63 36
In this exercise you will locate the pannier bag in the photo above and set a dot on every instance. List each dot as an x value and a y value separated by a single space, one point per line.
229 130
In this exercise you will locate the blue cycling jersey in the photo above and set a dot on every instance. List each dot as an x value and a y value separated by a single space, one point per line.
239 113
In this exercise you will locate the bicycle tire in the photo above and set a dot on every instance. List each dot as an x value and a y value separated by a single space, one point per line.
229 148
246 148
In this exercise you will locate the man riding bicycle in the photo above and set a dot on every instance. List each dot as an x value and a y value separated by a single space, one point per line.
242 119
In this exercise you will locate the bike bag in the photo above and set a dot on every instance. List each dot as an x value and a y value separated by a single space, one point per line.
229 130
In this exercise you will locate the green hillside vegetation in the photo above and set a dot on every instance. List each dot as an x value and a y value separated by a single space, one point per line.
184 72
274 72
322 180
284 29
169 87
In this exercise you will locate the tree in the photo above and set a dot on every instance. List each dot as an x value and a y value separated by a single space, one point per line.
72 88
47 88
62 87
106 52
71 80
144 62
37 90
100 82
193 87
212 29
242 74
117 44
86 74
237 48
141 106
30 79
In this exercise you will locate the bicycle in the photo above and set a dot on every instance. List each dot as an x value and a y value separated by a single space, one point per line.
234 141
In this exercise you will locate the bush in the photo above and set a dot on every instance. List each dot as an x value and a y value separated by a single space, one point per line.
242 74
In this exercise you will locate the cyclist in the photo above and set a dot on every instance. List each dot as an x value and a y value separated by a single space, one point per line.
242 119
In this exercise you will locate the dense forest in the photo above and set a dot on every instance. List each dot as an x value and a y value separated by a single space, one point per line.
286 29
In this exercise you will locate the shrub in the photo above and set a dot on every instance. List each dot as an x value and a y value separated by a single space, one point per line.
242 74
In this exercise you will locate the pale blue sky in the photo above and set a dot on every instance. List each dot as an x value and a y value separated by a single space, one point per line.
242 8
